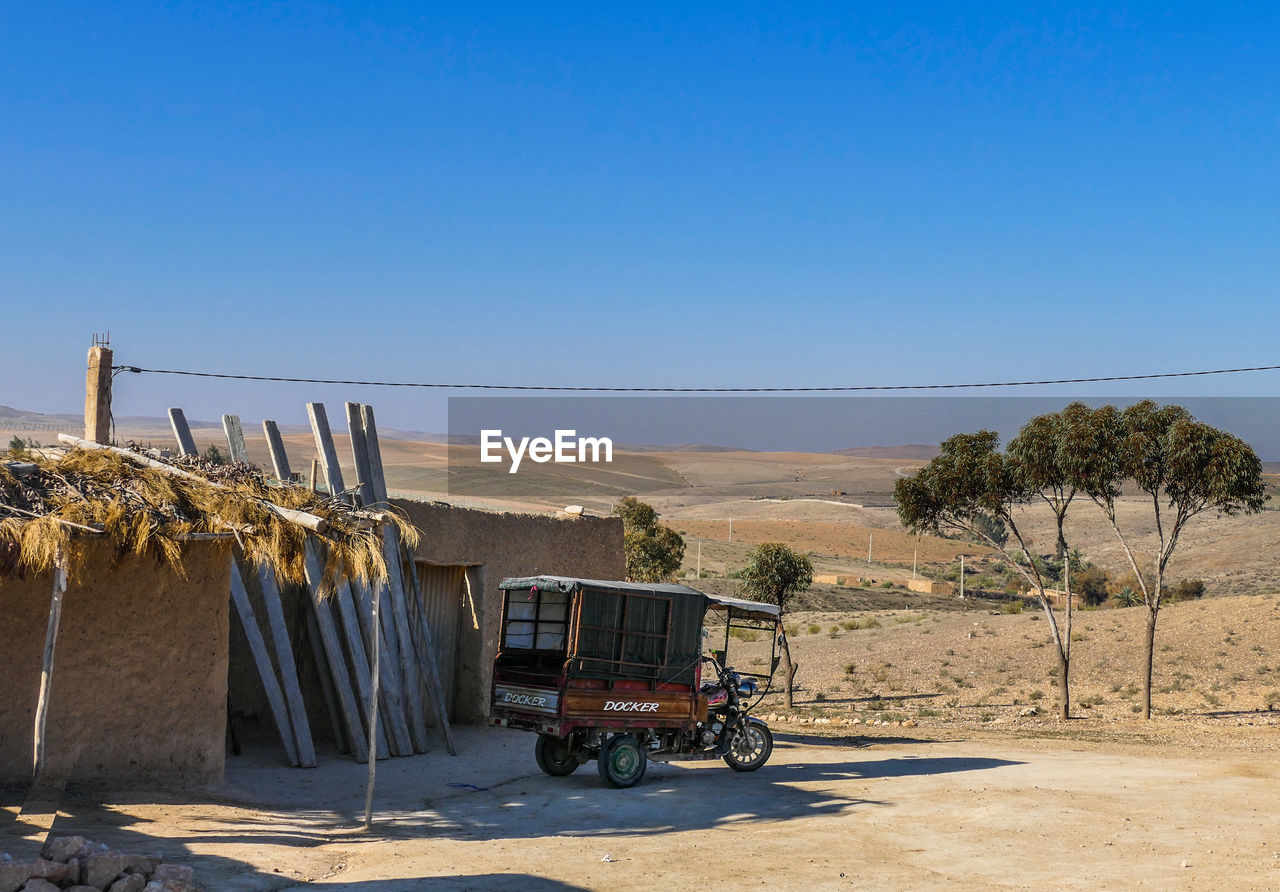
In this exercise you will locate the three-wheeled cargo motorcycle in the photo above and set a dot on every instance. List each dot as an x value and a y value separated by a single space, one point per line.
614 672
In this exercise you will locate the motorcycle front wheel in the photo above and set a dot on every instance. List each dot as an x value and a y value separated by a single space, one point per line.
751 746
554 756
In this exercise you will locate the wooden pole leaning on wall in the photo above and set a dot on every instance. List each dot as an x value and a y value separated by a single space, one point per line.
299 725
182 432
403 696
414 646
343 598
334 656
235 438
262 660
324 447
40 738
322 630
275 445
97 394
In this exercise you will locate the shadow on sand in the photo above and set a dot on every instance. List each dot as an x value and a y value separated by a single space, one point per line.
809 777
480 881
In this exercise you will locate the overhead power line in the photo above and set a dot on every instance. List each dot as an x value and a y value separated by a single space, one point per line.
853 388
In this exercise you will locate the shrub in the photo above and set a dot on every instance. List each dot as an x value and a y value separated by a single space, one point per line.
1185 590
1128 597
814 628
1011 607
1035 695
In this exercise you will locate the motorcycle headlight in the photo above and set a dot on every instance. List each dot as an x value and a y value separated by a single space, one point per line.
746 688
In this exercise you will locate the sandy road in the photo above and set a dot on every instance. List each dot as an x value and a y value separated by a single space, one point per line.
867 813
831 814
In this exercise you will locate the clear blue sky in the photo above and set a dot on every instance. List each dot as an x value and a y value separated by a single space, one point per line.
609 195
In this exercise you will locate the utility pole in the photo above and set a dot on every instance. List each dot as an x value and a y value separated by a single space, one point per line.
698 573
915 563
961 577
97 391
870 538
730 530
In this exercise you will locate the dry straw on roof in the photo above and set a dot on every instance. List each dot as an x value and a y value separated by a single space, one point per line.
146 511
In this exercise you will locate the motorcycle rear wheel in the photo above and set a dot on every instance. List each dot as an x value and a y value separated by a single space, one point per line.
622 761
751 746
555 756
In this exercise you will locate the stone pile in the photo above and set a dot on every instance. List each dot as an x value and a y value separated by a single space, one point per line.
75 864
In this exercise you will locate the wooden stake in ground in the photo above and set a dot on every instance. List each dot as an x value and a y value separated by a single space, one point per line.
373 712
46 672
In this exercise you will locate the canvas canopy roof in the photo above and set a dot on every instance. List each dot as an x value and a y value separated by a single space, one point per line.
738 607
744 608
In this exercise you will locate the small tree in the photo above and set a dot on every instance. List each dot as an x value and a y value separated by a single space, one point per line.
773 575
17 444
214 454
653 551
1185 467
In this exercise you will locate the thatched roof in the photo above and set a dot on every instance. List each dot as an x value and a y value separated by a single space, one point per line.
51 501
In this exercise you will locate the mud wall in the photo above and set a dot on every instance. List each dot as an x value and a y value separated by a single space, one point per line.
494 546
140 670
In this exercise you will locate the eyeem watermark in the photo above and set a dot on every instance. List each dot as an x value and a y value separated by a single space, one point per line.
565 447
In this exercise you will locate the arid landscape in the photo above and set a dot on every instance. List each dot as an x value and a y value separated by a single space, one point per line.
924 731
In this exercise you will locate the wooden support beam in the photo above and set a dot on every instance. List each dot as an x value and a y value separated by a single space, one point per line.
377 475
97 396
327 629
359 454
275 445
182 431
324 446
40 739
398 627
316 646
410 670
302 518
409 619
262 660
354 640
288 667
235 438
379 642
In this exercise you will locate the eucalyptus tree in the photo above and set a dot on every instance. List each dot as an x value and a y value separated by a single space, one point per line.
1183 466
971 477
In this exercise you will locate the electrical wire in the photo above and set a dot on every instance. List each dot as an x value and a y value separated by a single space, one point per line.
137 370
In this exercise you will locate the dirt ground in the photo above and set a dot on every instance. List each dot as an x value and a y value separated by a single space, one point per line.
874 811
1217 661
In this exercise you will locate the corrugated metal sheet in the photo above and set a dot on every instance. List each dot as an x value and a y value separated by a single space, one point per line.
443 591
